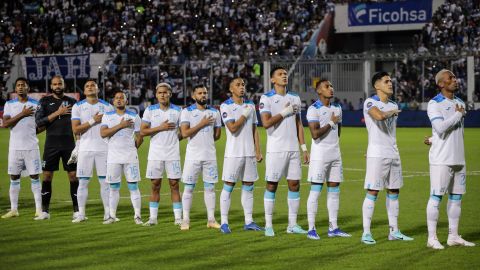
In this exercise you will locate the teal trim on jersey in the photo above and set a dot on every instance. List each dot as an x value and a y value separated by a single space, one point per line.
177 205
392 196
12 101
189 186
247 188
129 112
269 195
317 188
371 197
103 102
153 204
154 107
333 189
175 107
102 178
228 101
34 101
375 97
84 178
35 181
295 94
247 101
227 188
271 93
211 108
293 195
455 197
81 102
318 104
192 107
115 186
208 185
436 197
132 186
111 112
14 182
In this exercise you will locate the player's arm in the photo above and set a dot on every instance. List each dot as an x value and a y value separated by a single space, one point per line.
146 130
79 128
9 122
256 139
42 118
378 115
105 131
217 132
301 139
235 125
442 126
188 131
138 139
318 131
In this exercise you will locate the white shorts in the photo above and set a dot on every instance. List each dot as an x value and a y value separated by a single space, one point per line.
239 169
280 164
320 171
192 169
383 173
155 169
444 178
86 160
130 170
19 160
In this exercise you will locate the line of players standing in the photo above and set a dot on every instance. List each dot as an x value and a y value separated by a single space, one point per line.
107 138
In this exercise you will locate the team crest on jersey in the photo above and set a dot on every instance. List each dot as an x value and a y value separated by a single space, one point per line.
224 115
369 104
261 105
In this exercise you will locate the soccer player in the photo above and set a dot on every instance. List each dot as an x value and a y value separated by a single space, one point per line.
160 121
122 128
92 151
447 159
242 152
54 114
23 151
384 169
280 113
324 121
201 124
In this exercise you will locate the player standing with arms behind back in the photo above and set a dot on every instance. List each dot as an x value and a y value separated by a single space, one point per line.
384 169
447 159
23 150
242 152
280 112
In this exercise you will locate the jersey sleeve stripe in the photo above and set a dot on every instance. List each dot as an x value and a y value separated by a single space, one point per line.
436 118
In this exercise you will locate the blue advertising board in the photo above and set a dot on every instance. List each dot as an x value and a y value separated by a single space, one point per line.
69 66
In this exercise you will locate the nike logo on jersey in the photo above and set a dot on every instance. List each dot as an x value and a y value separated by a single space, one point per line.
52 104
448 108
196 115
324 113
235 109
276 101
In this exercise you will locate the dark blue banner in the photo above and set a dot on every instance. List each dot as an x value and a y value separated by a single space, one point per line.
68 66
403 12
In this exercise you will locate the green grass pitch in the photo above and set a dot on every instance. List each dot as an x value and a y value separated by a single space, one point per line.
59 244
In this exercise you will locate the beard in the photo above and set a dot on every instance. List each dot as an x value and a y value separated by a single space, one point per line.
58 91
201 102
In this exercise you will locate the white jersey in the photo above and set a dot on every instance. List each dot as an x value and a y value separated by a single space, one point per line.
201 146
281 137
121 146
447 148
84 111
164 145
382 141
240 144
23 136
327 146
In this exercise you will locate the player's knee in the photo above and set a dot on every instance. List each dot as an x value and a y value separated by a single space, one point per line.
47 176
174 185
115 186
189 188
455 197
14 177
393 191
34 176
247 187
132 186
272 186
294 186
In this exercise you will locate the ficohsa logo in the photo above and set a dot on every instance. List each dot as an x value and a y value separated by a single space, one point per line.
360 11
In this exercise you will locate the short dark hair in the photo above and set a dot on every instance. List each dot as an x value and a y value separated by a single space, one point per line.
320 82
378 76
233 79
91 80
21 79
275 69
198 86
118 91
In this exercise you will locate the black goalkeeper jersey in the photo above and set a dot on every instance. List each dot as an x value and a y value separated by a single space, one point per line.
59 131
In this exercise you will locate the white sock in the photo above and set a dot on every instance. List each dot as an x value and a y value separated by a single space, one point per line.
392 211
209 198
177 210
225 203
135 198
82 194
454 209
153 210
37 194
105 194
114 197
432 215
367 211
333 203
187 201
293 205
247 203
312 205
14 191
269 204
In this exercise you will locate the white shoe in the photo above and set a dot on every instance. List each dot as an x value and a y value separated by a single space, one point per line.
43 216
75 215
138 220
457 240
149 223
434 243
79 219
111 221
11 213
178 222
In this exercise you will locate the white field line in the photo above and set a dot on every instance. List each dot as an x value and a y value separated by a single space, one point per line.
415 174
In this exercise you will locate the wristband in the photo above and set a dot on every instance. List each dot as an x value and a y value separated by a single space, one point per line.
304 148
91 122
331 123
